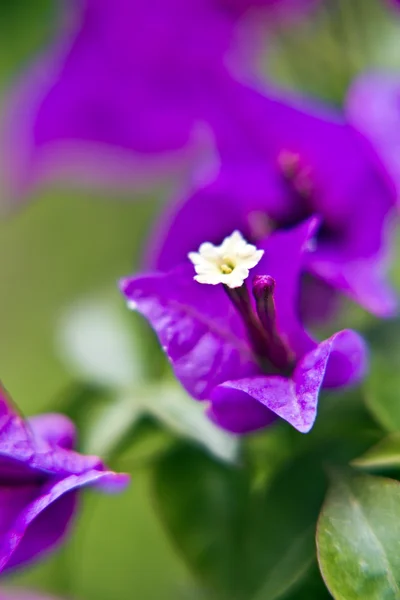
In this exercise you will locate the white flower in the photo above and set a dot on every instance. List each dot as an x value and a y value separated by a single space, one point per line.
228 263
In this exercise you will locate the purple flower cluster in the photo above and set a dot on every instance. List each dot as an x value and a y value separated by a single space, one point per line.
290 206
245 349
141 87
40 479
301 182
297 210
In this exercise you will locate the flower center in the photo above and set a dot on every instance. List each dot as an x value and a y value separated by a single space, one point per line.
228 263
227 266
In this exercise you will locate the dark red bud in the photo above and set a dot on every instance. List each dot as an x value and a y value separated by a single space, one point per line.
263 292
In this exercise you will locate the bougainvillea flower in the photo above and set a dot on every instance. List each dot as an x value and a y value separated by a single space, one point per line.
283 160
40 479
373 107
127 92
242 346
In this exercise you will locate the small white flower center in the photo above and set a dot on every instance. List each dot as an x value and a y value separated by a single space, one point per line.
228 263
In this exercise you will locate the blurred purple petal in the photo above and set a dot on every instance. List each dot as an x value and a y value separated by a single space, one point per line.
30 161
55 429
373 106
364 281
125 92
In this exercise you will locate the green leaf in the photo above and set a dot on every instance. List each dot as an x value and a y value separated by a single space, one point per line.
241 541
290 568
281 537
343 416
358 538
385 454
203 505
273 522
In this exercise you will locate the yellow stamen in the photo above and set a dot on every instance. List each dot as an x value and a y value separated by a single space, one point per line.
226 269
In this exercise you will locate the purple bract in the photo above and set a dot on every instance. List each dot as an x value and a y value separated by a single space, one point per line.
244 349
373 106
40 479
126 94
283 159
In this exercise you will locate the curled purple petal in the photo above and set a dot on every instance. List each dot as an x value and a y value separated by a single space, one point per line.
292 399
235 411
348 360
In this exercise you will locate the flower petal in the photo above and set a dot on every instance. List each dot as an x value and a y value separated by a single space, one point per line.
55 429
197 325
43 514
235 411
39 446
240 198
363 280
156 78
343 183
36 150
348 360
16 443
373 108
292 399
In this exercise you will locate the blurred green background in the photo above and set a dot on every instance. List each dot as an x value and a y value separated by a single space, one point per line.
65 244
